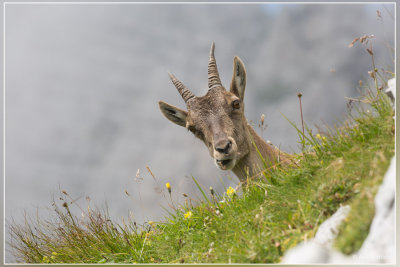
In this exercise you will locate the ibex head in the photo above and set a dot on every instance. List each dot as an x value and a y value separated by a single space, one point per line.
216 118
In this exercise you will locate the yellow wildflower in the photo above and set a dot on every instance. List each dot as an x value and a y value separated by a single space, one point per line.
230 191
151 223
168 186
52 257
320 137
54 253
188 215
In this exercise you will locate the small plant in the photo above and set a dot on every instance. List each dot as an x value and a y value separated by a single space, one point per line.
299 95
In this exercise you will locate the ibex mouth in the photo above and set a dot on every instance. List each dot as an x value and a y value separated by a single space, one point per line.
225 164
224 161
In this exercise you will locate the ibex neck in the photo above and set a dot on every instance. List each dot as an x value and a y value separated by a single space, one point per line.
251 165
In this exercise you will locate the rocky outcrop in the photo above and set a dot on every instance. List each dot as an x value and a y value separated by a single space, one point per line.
391 90
318 249
378 247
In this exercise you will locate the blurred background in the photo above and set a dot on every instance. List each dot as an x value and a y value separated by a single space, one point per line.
82 82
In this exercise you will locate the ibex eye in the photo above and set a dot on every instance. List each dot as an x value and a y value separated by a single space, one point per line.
236 104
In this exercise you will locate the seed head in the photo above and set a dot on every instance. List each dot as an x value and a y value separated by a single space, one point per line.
353 42
212 191
372 74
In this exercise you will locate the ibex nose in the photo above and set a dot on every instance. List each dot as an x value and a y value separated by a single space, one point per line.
223 146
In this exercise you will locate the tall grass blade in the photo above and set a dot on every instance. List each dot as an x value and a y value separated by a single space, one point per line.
201 190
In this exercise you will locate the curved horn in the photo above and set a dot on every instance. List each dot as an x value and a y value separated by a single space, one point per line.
213 75
182 89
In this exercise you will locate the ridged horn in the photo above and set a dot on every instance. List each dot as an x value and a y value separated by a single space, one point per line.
182 89
213 75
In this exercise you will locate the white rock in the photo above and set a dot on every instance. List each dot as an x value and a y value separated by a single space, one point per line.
318 250
391 91
328 230
378 247
307 252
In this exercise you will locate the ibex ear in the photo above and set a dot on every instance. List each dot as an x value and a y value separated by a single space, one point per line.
172 113
238 83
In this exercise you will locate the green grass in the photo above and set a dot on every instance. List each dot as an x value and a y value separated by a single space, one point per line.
257 224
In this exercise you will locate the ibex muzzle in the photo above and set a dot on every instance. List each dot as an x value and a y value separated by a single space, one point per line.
217 118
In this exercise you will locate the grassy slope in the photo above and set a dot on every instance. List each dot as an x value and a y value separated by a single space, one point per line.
257 226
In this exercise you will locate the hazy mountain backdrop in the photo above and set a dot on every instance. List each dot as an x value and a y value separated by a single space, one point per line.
82 82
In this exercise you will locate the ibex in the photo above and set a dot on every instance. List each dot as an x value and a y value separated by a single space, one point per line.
218 120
